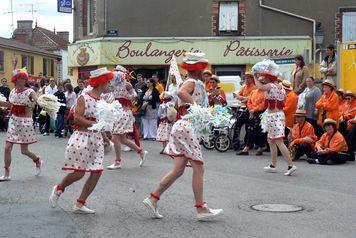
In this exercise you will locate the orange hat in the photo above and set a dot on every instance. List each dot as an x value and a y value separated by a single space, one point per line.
100 76
19 73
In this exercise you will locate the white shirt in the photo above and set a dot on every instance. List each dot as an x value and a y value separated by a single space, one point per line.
50 90
173 90
70 99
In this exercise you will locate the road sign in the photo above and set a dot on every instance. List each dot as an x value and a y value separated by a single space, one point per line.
64 6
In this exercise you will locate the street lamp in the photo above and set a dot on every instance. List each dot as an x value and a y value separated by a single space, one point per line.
319 34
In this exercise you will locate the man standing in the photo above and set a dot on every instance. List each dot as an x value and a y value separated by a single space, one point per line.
328 67
242 114
139 85
4 89
62 110
50 89
79 88
159 86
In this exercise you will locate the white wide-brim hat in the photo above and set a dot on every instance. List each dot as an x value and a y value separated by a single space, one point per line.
99 72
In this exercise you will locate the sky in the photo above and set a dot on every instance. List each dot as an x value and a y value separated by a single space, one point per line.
46 15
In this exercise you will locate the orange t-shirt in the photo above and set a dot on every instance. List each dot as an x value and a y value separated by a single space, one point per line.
330 104
246 91
208 85
304 133
335 143
349 112
342 106
160 88
256 101
290 107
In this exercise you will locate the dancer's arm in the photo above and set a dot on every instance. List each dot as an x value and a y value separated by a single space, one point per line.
79 114
6 104
185 92
260 85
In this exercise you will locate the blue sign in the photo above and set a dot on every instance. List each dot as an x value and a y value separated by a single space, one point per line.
65 6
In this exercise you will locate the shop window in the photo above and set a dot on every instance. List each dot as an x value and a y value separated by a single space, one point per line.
29 63
228 17
48 67
348 26
88 17
2 65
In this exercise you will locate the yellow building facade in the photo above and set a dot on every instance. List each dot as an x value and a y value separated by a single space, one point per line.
39 63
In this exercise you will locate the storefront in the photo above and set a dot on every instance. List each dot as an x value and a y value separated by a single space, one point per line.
227 55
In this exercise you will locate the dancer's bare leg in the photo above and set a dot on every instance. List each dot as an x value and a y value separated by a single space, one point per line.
117 146
179 165
198 184
274 151
31 155
7 158
284 150
89 186
131 144
71 178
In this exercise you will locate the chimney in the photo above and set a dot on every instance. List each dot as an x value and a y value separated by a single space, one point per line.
63 34
23 32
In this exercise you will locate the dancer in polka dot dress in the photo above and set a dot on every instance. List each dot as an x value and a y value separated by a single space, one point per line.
85 149
273 119
125 95
165 125
183 144
20 129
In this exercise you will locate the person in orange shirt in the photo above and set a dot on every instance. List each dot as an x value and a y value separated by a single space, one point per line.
242 113
303 138
348 112
331 148
256 105
342 101
290 106
328 104
206 77
159 86
216 94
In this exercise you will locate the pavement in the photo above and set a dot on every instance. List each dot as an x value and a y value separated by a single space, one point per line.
234 183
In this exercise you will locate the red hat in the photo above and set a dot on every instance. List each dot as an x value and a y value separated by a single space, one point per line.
19 73
100 76
194 62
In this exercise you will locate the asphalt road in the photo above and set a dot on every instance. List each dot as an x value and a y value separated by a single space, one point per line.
234 183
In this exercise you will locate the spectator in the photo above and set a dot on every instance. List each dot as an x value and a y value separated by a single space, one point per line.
43 85
307 101
71 99
342 101
290 106
328 104
216 94
347 113
256 105
139 87
173 88
206 77
61 112
159 86
328 67
50 89
331 148
150 117
80 87
299 75
303 138
4 88
351 137
242 114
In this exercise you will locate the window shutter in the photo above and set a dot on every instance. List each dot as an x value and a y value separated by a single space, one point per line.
348 26
228 16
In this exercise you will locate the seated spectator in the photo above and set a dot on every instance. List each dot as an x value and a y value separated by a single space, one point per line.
328 104
206 77
347 112
331 148
216 94
303 138
351 138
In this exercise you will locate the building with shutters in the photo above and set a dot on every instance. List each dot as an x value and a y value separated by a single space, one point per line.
235 34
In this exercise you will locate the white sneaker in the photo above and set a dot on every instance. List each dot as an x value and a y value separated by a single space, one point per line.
45 134
82 210
147 202
125 148
5 178
143 158
210 215
53 198
269 169
290 171
114 166
38 168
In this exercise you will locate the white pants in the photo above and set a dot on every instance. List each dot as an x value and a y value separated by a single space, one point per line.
149 128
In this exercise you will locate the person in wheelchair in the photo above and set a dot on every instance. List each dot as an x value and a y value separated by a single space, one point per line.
242 114
216 94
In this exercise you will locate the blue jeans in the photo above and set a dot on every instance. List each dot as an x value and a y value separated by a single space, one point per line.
59 124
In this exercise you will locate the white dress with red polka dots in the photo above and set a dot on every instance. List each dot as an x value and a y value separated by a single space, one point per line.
183 142
275 121
85 149
20 129
165 126
125 125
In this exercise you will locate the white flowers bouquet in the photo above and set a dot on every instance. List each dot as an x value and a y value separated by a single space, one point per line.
50 104
107 114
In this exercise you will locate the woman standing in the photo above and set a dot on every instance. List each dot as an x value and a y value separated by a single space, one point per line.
307 101
274 121
299 75
184 145
20 129
85 149
149 119
124 94
328 104
71 98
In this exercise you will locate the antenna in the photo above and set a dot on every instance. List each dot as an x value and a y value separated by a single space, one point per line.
12 16
32 7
